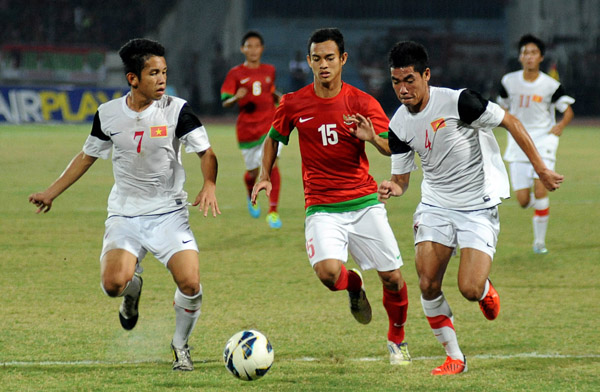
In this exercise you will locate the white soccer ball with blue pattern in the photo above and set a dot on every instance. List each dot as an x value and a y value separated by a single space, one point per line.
248 355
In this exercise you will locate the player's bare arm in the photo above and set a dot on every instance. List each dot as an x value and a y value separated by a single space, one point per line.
365 131
566 119
264 180
76 168
549 178
396 186
239 94
277 96
207 198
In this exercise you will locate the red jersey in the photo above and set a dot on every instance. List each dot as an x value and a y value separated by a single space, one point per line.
257 107
335 168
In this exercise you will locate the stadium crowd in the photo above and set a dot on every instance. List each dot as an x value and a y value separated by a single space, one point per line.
71 22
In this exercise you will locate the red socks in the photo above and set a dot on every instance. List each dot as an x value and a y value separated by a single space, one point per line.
396 305
394 302
249 179
348 280
276 183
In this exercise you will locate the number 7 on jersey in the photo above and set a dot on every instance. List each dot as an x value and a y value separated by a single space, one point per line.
141 135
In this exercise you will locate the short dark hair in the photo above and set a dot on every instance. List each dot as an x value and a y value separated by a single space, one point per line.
532 39
407 53
136 52
328 34
250 34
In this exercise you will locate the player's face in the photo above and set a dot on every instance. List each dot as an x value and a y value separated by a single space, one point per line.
412 88
153 81
253 49
530 57
326 62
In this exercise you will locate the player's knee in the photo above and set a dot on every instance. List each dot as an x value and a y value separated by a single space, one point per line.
327 273
472 292
327 278
111 287
525 200
115 280
189 286
392 280
429 287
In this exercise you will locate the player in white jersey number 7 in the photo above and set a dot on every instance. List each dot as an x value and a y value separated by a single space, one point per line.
464 180
147 207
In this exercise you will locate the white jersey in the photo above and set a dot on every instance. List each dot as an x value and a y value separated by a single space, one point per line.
534 104
145 146
462 165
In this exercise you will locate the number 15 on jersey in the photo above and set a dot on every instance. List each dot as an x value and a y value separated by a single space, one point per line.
329 135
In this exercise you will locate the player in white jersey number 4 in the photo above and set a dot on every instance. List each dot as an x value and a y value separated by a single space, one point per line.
147 207
464 180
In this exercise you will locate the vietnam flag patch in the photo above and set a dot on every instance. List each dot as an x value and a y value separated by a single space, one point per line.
438 124
160 131
537 98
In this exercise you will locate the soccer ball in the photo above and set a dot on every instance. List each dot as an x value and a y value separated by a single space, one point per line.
248 355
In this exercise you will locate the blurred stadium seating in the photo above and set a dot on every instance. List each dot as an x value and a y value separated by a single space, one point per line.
471 42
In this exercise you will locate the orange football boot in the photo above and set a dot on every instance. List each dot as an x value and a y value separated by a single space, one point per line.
451 366
490 304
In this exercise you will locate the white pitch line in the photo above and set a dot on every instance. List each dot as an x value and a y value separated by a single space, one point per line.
480 356
302 359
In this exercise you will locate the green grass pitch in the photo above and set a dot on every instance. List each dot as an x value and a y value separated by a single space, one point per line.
59 332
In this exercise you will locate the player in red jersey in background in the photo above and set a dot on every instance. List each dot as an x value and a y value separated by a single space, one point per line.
252 86
342 210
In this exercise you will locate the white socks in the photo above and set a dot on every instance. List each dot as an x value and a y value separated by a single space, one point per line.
532 200
540 220
439 316
187 312
486 288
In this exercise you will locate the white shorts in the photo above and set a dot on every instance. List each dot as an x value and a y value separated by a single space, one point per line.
253 156
522 174
366 233
466 229
162 235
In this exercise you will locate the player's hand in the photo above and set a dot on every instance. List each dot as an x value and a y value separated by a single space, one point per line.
259 186
364 127
43 202
384 191
206 200
241 92
556 130
388 189
551 179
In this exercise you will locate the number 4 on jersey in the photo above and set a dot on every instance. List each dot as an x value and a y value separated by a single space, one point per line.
427 141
